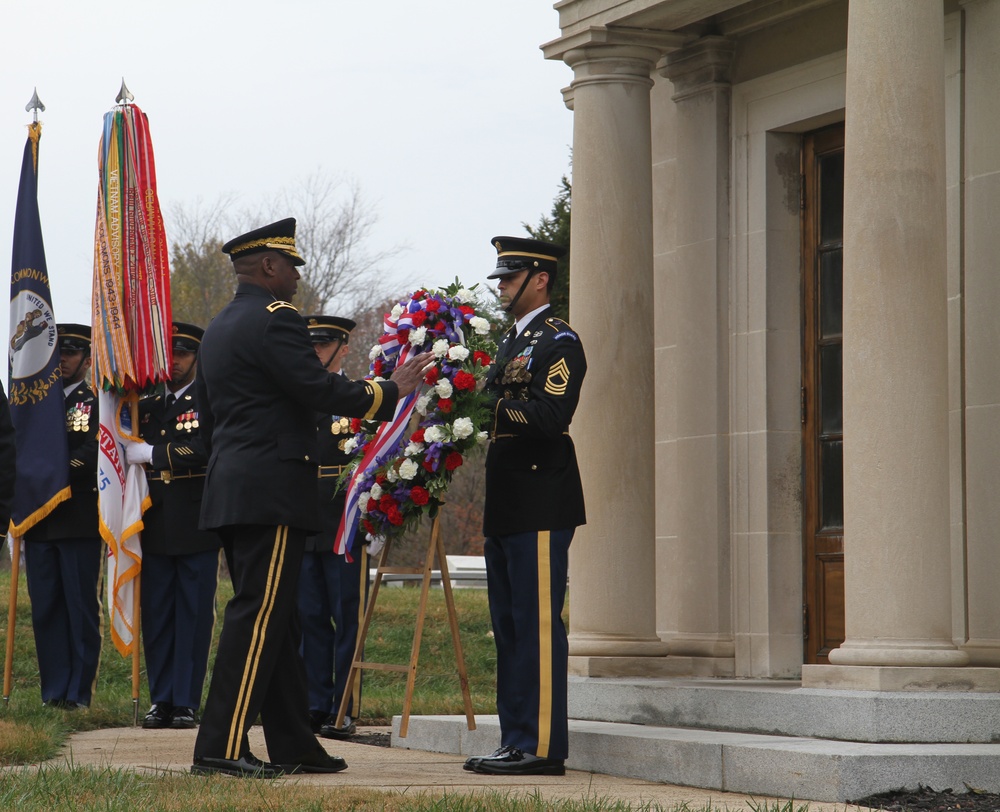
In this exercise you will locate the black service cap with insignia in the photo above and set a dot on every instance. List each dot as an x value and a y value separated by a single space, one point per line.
329 328
519 253
186 337
278 236
73 336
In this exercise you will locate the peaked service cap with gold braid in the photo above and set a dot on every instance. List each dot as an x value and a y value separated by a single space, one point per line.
519 253
73 336
329 328
278 236
186 337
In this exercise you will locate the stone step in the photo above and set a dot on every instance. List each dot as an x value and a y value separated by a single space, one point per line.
784 708
803 768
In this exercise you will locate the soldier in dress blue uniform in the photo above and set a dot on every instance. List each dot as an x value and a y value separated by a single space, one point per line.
331 585
64 552
534 503
180 563
260 387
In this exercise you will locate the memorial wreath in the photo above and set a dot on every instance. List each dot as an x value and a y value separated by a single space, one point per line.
401 469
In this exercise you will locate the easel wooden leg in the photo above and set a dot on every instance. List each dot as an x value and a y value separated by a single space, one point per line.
435 547
449 598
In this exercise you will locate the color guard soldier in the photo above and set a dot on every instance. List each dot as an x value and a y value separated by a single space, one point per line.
180 563
64 552
260 387
331 585
534 503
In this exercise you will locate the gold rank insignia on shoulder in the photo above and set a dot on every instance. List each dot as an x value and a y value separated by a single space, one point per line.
558 378
279 305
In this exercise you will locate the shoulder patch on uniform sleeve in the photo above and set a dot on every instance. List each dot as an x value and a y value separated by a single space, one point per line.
279 305
563 330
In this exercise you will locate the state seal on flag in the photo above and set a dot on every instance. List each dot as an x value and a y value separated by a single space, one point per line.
33 334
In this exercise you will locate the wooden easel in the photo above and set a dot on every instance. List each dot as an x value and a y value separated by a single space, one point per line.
434 547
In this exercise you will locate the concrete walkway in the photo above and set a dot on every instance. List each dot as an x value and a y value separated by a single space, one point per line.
392 769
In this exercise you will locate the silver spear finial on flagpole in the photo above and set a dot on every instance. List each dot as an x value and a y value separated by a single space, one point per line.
34 105
124 95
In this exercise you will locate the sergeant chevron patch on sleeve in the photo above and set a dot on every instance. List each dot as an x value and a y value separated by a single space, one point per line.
558 378
517 416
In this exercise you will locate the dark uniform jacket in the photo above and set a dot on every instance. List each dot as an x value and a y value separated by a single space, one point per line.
332 433
77 516
532 478
260 386
176 476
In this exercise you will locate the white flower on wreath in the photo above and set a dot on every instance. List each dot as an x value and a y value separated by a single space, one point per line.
443 388
423 404
480 325
412 449
397 311
462 428
350 444
363 500
458 353
482 437
376 491
440 348
408 469
418 336
391 475
464 295
435 434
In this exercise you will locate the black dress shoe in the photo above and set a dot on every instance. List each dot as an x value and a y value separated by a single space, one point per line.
470 763
246 766
182 718
157 716
517 762
331 731
319 718
316 761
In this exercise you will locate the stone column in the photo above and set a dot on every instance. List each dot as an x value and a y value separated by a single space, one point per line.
981 149
612 572
896 543
700 502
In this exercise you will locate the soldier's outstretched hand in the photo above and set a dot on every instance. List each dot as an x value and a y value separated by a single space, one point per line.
408 376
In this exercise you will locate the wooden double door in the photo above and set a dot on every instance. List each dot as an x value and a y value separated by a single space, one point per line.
822 400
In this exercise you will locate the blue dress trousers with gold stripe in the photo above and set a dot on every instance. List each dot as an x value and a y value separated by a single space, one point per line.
534 502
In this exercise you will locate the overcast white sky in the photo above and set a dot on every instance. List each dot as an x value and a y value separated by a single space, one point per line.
443 111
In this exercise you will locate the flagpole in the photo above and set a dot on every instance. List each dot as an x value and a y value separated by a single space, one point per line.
33 106
8 665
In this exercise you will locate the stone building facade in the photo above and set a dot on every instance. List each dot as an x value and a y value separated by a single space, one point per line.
787 209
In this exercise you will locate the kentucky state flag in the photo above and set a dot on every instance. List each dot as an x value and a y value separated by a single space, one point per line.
37 405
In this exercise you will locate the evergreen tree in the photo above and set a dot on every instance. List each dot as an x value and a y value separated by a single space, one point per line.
555 228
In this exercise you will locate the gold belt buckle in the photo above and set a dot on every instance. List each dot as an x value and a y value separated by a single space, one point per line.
165 476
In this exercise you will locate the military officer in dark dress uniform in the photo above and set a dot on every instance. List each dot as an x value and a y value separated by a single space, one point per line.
534 503
331 585
64 552
260 387
180 563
